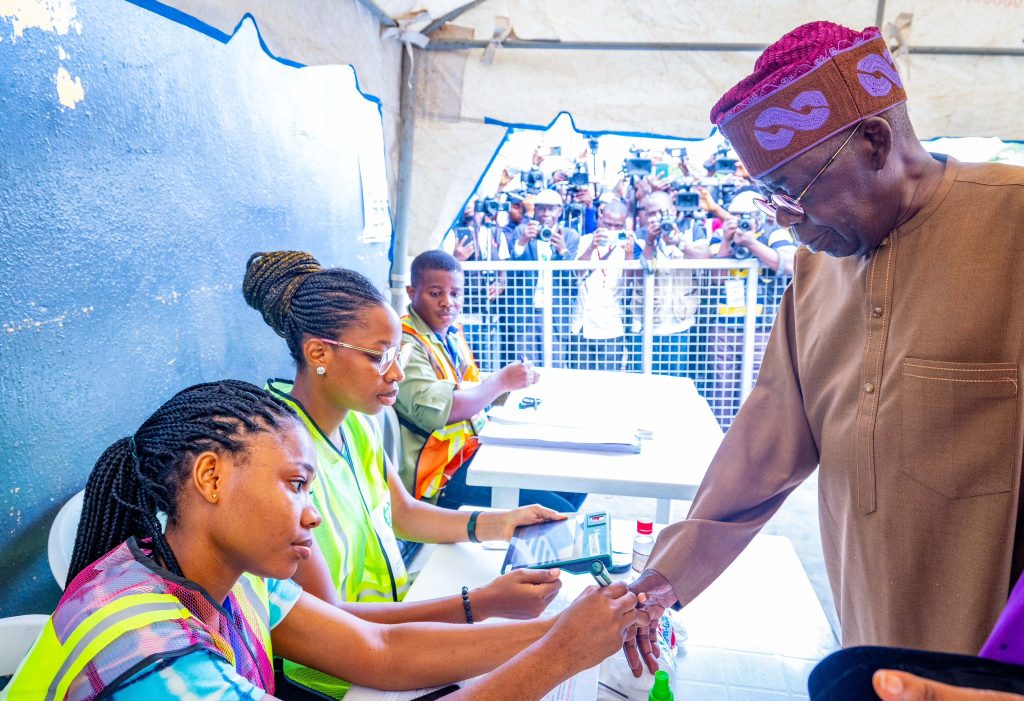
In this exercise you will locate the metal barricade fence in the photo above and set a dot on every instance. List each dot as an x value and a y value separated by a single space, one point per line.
704 319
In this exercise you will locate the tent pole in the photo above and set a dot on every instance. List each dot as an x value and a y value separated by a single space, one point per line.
403 197
454 14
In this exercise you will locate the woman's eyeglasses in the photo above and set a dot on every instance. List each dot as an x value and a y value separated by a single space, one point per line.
387 356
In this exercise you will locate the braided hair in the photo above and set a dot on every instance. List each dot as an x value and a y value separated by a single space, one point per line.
141 476
299 297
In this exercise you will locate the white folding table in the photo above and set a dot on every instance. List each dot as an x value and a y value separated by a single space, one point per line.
754 634
671 463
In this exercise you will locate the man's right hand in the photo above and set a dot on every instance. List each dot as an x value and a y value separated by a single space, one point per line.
591 629
529 232
518 375
640 645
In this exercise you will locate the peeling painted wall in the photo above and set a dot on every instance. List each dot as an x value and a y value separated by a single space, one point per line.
141 162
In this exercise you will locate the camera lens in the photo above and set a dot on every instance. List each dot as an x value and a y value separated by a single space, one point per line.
740 252
666 227
545 233
745 225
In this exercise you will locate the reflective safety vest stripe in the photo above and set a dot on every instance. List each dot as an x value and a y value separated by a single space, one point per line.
50 667
449 447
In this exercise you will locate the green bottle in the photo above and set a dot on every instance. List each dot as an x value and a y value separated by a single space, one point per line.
660 691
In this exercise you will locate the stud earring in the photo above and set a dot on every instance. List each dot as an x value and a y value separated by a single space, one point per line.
214 496
321 370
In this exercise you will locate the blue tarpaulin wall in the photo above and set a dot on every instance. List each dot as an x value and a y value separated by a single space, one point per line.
141 163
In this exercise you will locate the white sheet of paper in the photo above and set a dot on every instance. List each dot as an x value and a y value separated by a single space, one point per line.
582 687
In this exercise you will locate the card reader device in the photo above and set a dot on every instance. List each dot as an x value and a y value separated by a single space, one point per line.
572 544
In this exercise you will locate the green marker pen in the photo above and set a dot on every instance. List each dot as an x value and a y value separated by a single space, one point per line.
597 569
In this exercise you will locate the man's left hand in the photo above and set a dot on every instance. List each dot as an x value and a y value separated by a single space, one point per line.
891 685
655 594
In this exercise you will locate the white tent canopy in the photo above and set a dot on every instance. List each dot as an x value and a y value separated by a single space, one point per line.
615 66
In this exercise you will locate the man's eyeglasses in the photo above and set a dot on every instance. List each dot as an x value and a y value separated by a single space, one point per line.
387 356
773 203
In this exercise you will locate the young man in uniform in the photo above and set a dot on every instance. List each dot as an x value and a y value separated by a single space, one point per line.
442 401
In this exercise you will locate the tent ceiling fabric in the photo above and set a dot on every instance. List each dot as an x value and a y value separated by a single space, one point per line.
670 92
666 92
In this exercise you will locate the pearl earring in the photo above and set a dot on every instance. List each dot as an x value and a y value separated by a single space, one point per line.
321 370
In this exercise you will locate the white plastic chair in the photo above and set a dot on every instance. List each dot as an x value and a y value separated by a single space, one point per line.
61 543
17 634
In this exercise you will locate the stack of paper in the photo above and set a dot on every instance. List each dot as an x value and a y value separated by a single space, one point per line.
499 431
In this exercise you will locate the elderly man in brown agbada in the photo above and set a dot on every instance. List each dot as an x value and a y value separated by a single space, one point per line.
894 361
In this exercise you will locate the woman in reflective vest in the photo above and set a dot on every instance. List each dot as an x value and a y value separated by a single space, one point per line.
197 610
345 340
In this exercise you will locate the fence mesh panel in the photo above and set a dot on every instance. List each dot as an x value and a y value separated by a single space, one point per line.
675 319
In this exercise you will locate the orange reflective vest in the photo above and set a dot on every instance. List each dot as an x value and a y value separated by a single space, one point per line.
449 447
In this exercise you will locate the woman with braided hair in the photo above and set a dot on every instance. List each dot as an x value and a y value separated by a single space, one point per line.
345 341
196 609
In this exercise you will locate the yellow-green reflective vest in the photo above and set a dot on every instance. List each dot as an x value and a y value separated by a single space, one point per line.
123 606
356 537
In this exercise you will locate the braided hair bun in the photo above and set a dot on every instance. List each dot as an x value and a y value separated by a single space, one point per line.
299 298
271 281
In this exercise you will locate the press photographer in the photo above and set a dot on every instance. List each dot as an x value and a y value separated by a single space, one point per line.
746 232
676 299
597 323
543 238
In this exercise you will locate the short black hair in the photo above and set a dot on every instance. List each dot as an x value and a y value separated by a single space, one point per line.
432 260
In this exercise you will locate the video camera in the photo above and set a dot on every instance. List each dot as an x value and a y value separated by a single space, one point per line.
490 206
687 202
534 180
721 163
637 167
579 180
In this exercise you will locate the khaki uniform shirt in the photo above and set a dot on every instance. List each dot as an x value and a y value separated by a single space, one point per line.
898 373
423 400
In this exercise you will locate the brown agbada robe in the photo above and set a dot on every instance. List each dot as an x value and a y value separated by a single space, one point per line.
899 373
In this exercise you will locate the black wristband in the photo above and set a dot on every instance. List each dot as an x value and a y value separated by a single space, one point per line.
471 526
465 603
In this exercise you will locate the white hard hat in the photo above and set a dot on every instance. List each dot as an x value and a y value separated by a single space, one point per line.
743 203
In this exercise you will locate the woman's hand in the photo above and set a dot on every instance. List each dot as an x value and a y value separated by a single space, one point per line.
520 594
903 686
593 627
499 525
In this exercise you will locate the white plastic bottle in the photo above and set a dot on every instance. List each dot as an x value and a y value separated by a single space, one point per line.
643 543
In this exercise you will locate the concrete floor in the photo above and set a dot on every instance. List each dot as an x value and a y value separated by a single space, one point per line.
797 520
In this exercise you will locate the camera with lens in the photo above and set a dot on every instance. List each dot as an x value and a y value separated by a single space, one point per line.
580 178
545 233
534 180
746 221
490 206
740 252
618 238
667 225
